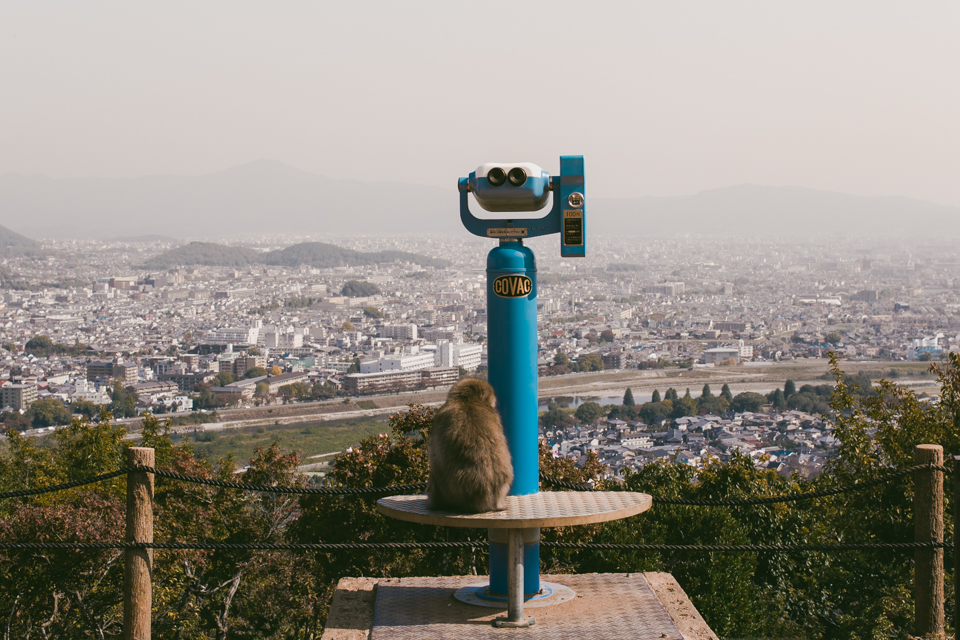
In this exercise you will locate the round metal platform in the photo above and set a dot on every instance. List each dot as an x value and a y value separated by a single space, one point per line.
479 595
545 509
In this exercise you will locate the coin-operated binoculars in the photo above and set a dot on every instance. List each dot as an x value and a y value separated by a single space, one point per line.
512 315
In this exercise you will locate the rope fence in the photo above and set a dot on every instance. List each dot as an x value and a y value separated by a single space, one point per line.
410 488
400 546
928 514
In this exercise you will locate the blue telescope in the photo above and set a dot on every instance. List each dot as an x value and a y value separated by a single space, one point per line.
520 187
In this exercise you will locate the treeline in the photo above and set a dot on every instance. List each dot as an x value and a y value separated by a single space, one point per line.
315 254
271 594
43 347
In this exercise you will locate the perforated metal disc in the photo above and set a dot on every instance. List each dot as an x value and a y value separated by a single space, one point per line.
606 607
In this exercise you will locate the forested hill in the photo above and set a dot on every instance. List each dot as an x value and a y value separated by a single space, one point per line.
10 238
206 253
314 254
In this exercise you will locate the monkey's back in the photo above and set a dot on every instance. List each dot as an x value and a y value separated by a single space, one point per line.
470 466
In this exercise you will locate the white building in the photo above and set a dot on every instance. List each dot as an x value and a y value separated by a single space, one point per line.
87 391
399 331
411 362
458 354
234 335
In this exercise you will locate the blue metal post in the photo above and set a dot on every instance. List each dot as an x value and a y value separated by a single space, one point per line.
512 357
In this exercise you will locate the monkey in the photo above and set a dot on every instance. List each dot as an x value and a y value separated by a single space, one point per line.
470 466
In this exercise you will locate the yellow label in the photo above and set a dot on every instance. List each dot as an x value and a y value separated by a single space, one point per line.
512 286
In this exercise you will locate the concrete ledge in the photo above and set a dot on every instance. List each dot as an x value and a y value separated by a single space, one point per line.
352 609
678 605
351 612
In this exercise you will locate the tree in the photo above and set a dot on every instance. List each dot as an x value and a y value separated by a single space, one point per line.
561 359
651 412
834 337
354 366
725 393
628 400
262 389
554 416
123 401
589 412
590 362
748 401
777 400
685 406
275 370
223 378
789 388
253 351
656 396
705 393
347 326
372 312
715 405
671 394
49 412
39 345
606 336
687 394
359 289
298 390
255 372
85 408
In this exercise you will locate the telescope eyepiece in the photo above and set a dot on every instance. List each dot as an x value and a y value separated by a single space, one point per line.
496 177
517 177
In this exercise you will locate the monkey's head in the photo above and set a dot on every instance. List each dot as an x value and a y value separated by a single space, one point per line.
473 390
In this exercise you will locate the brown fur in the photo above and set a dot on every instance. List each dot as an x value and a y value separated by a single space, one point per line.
470 466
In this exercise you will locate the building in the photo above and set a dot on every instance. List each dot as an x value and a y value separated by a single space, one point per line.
128 373
18 397
380 381
615 360
667 288
187 381
734 327
458 354
722 355
234 335
399 331
241 364
410 362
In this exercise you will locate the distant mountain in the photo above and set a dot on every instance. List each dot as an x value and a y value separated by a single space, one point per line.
207 254
9 239
314 254
268 196
263 196
322 255
752 210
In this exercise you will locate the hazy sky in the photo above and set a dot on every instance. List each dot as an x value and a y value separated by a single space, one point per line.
663 98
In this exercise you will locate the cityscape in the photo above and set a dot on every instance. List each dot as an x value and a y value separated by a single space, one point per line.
96 325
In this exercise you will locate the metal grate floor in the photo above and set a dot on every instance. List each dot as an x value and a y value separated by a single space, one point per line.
607 607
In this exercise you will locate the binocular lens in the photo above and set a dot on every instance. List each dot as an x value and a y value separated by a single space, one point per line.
497 176
517 177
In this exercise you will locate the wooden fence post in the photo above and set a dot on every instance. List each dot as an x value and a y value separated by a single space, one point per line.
928 520
956 541
138 563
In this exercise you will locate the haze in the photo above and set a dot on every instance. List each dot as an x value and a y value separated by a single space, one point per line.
663 99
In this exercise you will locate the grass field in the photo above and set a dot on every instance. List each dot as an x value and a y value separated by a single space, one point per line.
307 438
